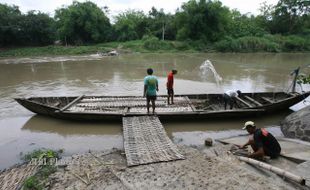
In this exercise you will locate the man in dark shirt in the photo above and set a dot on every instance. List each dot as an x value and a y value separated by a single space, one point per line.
263 142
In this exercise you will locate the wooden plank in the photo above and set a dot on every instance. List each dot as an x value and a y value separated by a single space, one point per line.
125 111
71 103
190 103
145 141
252 100
267 100
244 102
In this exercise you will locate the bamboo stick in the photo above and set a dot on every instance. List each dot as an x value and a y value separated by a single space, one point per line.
276 170
71 103
99 160
80 178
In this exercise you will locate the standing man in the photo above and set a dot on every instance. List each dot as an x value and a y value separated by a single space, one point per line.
150 88
230 97
263 143
170 90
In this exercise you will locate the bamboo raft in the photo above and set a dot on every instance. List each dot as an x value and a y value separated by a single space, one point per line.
145 141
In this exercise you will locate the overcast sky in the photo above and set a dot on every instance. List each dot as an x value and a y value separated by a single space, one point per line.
117 6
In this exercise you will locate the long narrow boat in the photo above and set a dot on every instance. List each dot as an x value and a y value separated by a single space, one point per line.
194 106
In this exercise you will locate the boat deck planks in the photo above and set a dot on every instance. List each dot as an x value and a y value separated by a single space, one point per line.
267 100
145 141
244 102
126 105
252 100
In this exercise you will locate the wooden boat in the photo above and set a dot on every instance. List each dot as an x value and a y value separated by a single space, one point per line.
195 106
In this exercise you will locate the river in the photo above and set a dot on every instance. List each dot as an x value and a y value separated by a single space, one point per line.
22 131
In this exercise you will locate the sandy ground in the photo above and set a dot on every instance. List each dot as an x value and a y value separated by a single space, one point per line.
212 168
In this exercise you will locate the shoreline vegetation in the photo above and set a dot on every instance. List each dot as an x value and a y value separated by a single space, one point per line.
266 44
196 26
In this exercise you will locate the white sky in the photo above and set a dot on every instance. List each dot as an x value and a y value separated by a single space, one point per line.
117 6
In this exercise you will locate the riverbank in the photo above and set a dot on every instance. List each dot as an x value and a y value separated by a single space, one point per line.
247 44
213 168
121 47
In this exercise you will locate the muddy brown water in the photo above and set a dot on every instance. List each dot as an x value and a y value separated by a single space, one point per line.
21 131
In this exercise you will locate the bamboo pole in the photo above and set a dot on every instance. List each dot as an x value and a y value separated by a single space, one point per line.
71 103
80 178
276 170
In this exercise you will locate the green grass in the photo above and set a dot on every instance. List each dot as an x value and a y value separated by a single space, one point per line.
46 167
268 43
150 44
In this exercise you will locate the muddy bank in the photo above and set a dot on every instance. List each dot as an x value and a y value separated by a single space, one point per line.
212 168
203 168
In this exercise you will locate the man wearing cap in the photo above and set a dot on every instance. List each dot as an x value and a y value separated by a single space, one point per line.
263 142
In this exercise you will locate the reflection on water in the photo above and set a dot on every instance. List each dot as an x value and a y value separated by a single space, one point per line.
24 134
226 124
123 75
66 128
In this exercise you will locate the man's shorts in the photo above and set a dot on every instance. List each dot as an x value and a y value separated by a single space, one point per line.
272 154
170 91
148 98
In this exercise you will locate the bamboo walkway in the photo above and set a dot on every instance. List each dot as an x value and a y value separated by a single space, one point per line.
145 141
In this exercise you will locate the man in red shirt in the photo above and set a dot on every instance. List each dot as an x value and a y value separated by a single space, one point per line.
170 85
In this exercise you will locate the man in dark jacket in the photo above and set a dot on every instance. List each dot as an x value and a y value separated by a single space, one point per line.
263 143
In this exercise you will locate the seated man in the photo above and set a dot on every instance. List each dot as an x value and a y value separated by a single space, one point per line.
230 97
263 142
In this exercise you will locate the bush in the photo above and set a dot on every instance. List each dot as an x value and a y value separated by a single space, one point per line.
153 43
32 183
294 43
247 44
180 45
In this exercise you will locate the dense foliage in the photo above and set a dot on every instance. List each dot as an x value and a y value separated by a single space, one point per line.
33 28
198 24
82 23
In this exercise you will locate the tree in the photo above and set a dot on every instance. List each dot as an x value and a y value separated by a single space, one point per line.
202 20
161 25
9 27
130 25
83 23
33 28
244 25
37 29
289 16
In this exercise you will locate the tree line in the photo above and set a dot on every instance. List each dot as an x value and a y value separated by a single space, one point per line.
203 23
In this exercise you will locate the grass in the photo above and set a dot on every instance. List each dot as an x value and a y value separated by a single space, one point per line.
268 43
47 160
125 47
